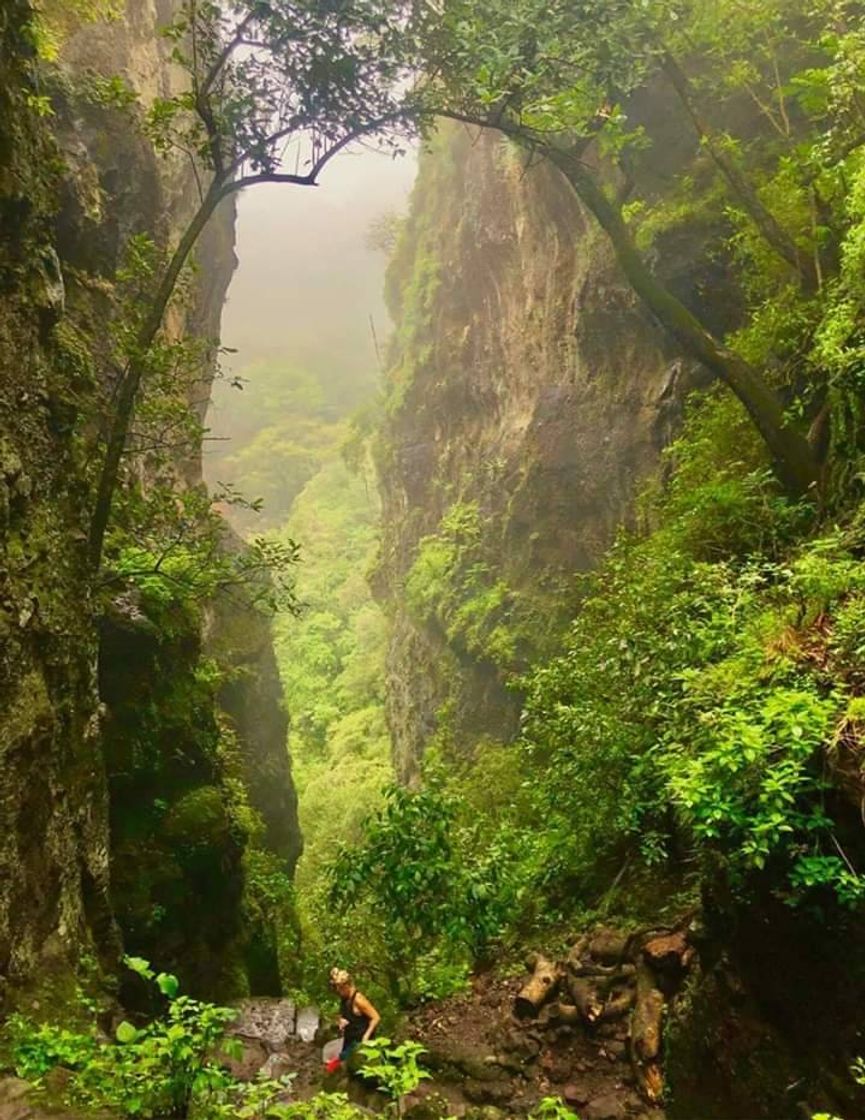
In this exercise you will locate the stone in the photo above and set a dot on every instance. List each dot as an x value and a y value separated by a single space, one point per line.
49 289
575 1094
276 1066
609 1106
271 1021
308 1019
616 1049
450 1058
486 1112
13 1099
433 1106
496 1093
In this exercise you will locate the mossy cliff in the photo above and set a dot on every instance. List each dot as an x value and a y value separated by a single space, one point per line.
528 396
53 805
127 790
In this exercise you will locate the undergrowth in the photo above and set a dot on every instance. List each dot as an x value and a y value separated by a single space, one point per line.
697 717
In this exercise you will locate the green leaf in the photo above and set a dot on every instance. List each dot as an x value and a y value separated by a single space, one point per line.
167 984
126 1033
139 965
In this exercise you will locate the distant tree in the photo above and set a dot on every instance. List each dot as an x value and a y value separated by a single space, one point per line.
275 89
383 231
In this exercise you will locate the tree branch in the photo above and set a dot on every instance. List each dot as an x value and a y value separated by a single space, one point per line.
765 221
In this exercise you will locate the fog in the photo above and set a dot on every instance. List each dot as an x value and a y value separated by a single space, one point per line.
308 289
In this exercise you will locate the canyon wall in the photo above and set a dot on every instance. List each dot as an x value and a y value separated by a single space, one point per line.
112 731
528 398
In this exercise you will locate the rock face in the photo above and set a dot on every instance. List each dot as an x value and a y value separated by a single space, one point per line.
529 395
53 809
78 789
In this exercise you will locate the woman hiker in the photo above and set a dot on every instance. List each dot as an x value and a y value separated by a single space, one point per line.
358 1018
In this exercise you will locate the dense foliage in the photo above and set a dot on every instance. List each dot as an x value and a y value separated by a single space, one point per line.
774 112
703 713
332 666
708 695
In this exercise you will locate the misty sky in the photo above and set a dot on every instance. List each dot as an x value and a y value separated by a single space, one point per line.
307 284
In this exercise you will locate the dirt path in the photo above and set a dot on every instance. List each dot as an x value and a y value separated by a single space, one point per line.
481 1055
588 1033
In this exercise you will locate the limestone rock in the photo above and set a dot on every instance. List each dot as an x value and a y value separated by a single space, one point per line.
270 1021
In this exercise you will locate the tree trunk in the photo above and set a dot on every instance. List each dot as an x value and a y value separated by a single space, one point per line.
794 462
541 985
130 381
770 228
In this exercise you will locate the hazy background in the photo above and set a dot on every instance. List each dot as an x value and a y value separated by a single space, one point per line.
298 314
299 310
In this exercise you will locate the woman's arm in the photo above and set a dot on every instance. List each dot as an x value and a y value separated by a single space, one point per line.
366 1008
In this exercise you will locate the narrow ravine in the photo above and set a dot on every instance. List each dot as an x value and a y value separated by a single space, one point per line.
432 560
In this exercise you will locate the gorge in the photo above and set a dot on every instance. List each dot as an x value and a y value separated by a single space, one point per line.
496 622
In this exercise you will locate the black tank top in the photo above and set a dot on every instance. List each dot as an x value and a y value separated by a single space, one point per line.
357 1021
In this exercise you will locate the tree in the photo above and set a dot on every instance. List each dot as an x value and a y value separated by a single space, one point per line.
557 78
270 84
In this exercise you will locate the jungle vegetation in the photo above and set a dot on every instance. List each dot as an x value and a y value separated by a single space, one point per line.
710 690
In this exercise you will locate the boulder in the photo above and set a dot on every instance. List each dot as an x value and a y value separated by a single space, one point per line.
265 1020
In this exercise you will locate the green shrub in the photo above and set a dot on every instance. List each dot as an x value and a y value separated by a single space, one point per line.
165 1068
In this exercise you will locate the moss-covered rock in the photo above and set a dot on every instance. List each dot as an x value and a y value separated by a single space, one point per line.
76 181
53 835
526 387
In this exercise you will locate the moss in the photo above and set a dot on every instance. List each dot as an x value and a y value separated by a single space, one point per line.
30 707
198 820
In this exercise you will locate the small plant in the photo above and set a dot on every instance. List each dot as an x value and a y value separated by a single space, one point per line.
394 1067
552 1108
166 1068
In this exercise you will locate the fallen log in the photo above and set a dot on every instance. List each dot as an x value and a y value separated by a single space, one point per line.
647 1017
577 952
620 1004
616 972
646 1035
566 1013
586 999
668 955
650 1082
608 946
539 988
